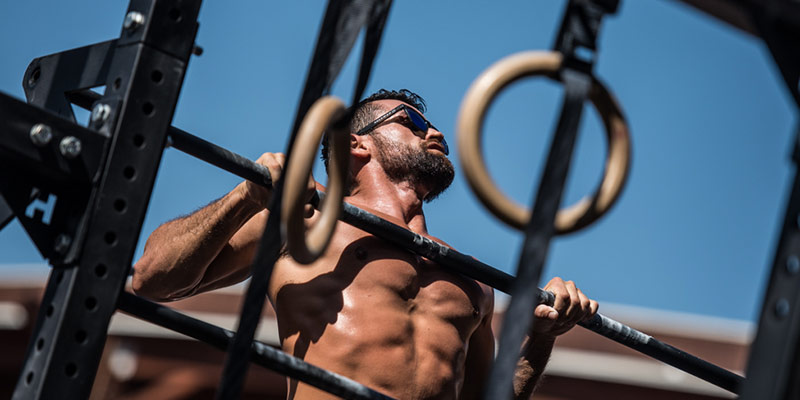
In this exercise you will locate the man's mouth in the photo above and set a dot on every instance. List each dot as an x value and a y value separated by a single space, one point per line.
436 146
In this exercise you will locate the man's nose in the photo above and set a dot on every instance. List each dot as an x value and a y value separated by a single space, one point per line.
435 134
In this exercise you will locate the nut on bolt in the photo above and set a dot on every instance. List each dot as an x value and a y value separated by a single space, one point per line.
62 243
792 264
133 20
782 308
70 147
41 135
100 112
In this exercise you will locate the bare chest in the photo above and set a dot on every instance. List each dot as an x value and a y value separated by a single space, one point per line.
364 281
413 283
370 307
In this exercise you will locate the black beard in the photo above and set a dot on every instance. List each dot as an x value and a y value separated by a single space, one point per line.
417 166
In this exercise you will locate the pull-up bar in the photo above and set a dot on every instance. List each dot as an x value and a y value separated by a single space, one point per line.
447 257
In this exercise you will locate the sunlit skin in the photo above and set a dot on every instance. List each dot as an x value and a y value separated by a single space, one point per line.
368 310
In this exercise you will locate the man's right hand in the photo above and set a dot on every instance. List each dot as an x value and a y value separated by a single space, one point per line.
258 194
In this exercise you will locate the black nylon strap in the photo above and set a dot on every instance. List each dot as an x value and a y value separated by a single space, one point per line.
340 28
519 319
377 21
578 30
341 25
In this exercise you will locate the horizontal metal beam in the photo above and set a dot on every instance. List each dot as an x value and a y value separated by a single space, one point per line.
260 353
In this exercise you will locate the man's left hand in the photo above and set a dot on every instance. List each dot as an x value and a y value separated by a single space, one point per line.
571 306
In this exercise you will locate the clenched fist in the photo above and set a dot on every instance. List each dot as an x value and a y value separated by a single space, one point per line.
260 195
571 306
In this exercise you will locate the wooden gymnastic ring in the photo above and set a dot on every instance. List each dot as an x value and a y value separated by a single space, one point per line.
470 123
306 248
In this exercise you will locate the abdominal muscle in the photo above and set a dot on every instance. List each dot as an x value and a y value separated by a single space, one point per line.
378 315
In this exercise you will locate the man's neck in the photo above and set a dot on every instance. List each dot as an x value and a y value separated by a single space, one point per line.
400 200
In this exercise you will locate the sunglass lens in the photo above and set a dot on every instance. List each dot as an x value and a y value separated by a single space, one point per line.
417 120
422 125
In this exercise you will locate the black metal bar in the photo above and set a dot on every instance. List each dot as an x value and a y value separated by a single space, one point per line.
260 353
219 157
143 80
475 269
84 98
464 264
664 352
418 244
773 364
256 173
198 147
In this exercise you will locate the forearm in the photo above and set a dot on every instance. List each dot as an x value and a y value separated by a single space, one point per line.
178 253
535 354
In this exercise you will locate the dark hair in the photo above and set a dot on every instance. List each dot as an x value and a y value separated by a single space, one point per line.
364 112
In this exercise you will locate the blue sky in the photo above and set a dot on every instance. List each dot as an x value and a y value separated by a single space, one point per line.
711 124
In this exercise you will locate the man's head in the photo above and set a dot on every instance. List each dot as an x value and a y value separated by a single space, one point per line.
406 145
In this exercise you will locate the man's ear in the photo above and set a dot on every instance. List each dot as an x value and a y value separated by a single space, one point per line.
359 148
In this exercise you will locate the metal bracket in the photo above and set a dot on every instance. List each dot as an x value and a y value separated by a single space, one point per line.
49 80
50 165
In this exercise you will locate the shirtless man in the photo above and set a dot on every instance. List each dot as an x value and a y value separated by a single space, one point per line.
368 310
